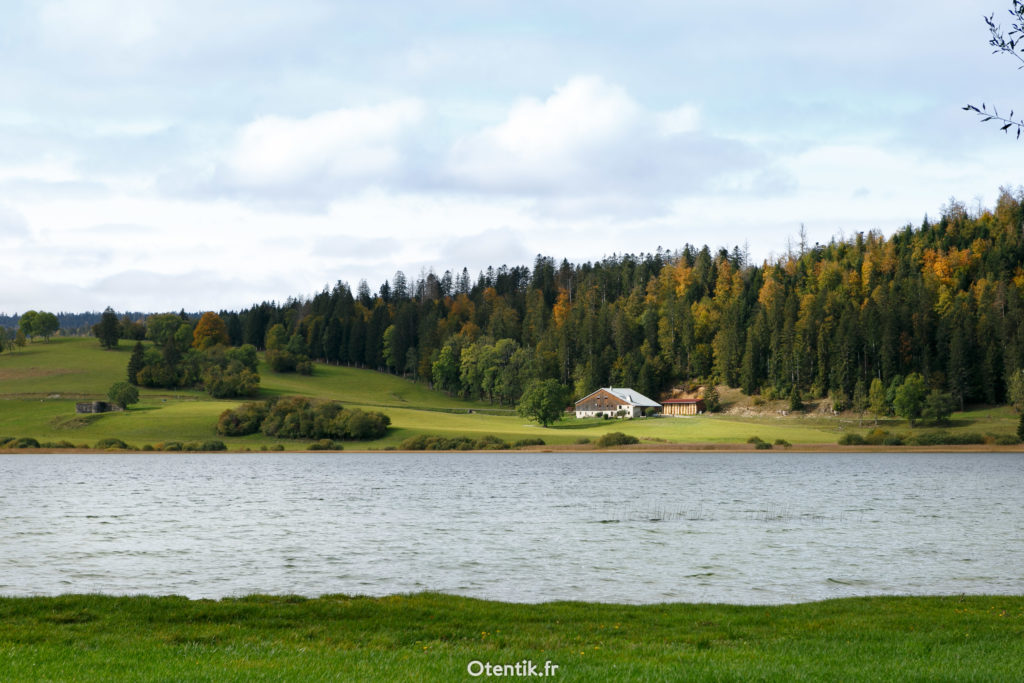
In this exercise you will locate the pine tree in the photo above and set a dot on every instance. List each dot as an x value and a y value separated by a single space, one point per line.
135 363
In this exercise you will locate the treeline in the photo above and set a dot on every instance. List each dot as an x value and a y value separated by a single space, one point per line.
944 300
70 324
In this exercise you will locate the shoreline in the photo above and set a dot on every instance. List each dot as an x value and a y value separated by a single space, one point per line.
573 448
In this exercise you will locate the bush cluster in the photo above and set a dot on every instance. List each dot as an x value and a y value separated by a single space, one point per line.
616 439
946 439
111 443
224 372
880 437
759 443
326 445
528 442
29 442
297 417
243 420
434 442
208 446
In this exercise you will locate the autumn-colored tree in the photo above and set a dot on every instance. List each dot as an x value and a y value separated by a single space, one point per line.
210 331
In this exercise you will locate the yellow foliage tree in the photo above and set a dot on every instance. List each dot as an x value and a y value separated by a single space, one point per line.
210 331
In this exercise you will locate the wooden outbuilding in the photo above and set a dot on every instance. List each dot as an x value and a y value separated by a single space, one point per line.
682 406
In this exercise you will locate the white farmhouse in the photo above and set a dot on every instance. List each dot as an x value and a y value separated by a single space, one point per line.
610 400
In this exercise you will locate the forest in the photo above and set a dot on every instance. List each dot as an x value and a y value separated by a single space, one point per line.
944 300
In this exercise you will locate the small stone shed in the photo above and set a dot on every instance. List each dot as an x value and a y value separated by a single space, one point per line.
84 407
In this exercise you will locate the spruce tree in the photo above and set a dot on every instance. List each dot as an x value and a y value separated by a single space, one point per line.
135 363
795 402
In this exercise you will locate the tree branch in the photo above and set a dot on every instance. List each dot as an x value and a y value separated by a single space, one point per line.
1008 123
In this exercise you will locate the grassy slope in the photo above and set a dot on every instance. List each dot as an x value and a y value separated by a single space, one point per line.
39 383
434 637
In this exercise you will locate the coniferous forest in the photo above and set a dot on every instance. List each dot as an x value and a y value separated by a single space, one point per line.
944 299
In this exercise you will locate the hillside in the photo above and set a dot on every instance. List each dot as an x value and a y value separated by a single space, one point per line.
40 384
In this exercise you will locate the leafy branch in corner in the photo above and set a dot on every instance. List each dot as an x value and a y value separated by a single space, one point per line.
1008 123
1006 43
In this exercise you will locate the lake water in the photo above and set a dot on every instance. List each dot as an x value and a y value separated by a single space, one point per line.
750 528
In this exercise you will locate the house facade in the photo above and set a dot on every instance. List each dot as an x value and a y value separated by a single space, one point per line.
610 400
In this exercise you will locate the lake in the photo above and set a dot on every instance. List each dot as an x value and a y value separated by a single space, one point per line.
750 528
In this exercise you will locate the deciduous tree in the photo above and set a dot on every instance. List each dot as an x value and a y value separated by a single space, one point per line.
123 394
543 401
910 398
210 331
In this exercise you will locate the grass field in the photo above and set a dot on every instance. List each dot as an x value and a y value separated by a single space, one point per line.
40 383
435 637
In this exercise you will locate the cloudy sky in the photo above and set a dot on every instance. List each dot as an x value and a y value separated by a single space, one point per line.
192 154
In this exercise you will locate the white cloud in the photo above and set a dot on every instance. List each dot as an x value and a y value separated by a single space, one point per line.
590 138
326 154
684 119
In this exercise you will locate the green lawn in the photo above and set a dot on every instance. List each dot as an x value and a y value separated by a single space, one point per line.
39 385
435 637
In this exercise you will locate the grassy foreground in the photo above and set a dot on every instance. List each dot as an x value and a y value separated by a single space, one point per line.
435 637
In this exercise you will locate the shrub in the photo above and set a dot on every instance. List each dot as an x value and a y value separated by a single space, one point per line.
783 443
851 439
1006 440
759 443
528 442
325 445
147 447
433 442
945 439
169 446
213 445
5 440
616 439
243 420
277 447
24 442
111 443
491 443
712 401
582 440
877 437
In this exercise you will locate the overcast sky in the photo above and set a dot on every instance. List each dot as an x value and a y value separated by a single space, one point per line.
191 154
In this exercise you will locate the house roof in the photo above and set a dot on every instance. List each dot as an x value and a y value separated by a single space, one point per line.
626 395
